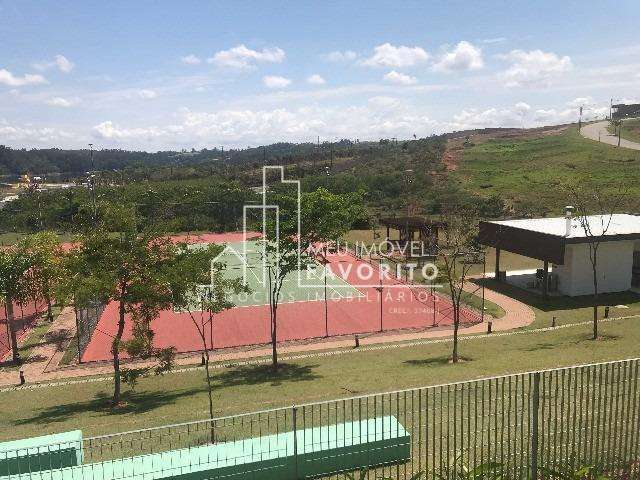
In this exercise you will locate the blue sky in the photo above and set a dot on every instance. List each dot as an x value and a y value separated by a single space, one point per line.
166 75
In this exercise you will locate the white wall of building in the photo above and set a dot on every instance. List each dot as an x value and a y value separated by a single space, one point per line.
615 260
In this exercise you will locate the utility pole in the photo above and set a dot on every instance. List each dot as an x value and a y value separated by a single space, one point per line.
619 132
264 155
331 155
91 157
611 110
92 185
580 121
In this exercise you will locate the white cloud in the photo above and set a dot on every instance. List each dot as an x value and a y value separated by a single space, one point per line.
464 56
32 136
316 79
338 56
8 78
379 117
385 102
400 78
523 115
64 64
147 94
61 102
470 118
580 102
109 131
274 81
243 57
551 116
534 67
493 40
60 62
387 55
191 59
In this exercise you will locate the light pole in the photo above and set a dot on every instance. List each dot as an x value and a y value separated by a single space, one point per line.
325 262
408 173
619 132
379 289
91 157
580 121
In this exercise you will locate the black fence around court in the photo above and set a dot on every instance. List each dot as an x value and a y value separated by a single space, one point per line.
87 318
520 426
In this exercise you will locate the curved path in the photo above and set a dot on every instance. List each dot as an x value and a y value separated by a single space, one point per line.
598 132
45 358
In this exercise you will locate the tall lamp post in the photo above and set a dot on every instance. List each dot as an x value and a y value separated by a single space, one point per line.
379 289
325 262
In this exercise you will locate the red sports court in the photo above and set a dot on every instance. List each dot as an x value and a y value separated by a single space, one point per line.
396 307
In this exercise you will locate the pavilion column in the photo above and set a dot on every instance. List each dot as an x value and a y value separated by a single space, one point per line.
497 276
545 279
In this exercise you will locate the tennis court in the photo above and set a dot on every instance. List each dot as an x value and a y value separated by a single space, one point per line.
352 306
304 285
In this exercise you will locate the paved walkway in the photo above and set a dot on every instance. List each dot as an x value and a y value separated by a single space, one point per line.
43 364
598 132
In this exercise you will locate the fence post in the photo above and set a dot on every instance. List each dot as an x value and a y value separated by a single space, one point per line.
535 425
295 441
75 311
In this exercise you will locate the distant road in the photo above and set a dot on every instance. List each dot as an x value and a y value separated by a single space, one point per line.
598 131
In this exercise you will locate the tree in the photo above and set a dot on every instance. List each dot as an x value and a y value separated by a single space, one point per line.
201 289
47 271
460 236
595 227
324 217
15 263
136 270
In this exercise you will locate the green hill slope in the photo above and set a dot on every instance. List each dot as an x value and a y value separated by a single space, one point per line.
531 174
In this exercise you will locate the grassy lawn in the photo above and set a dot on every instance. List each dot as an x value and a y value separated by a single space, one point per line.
475 301
569 309
528 173
631 130
181 397
11 237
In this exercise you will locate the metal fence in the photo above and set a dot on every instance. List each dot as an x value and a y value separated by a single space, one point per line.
87 318
521 425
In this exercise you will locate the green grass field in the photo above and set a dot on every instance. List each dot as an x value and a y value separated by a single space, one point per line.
631 130
178 397
531 175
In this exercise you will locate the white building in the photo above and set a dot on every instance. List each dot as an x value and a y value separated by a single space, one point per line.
563 244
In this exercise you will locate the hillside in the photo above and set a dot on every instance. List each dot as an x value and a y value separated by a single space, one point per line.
530 172
499 171
70 163
631 130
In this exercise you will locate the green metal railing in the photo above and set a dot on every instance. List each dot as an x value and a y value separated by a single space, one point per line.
524 424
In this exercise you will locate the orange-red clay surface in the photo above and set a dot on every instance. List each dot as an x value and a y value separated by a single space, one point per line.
25 317
402 308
